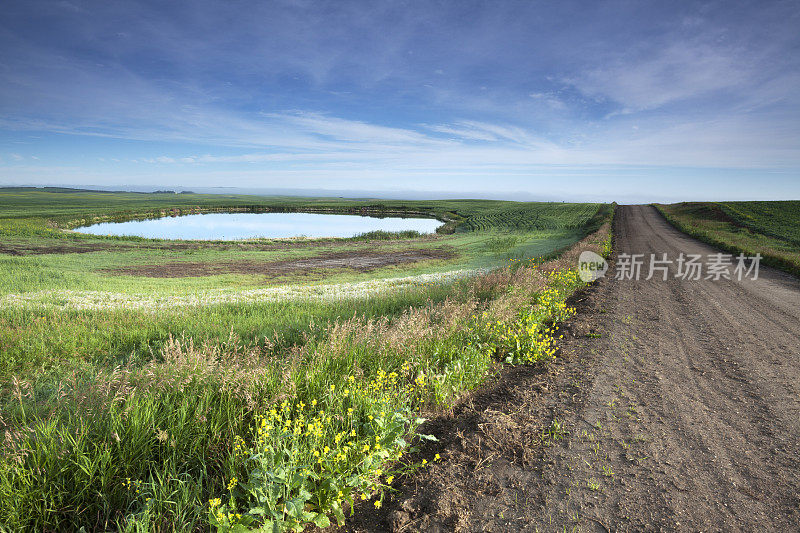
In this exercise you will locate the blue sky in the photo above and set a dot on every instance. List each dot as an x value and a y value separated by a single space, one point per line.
633 101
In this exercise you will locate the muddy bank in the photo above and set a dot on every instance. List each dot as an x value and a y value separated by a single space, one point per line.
65 246
352 260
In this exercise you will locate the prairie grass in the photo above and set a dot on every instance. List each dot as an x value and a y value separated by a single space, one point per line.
226 432
45 339
241 414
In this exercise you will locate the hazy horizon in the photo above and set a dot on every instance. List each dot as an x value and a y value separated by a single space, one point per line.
397 194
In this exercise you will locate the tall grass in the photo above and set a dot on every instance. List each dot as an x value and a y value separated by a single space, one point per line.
235 434
32 339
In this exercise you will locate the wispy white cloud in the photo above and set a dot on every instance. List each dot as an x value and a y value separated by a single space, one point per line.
469 134
736 142
349 130
678 72
550 99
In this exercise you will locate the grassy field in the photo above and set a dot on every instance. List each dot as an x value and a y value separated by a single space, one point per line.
91 298
197 402
769 228
40 255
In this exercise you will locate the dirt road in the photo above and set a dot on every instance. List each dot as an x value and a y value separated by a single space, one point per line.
675 407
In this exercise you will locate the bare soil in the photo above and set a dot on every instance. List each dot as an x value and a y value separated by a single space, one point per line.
69 246
676 407
362 261
59 247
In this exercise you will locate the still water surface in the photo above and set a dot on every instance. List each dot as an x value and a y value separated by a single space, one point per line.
231 226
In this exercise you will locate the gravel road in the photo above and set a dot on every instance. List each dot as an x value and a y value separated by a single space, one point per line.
694 398
676 406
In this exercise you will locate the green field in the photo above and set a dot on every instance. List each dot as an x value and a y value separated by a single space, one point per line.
769 228
43 260
133 402
477 234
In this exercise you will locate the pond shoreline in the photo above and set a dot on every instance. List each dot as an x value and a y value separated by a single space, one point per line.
265 225
448 226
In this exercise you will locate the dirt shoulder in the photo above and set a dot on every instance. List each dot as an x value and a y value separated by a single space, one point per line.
675 405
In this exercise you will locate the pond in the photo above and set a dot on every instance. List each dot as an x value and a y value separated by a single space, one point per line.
232 226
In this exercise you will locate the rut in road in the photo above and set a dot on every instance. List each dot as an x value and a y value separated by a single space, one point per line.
677 407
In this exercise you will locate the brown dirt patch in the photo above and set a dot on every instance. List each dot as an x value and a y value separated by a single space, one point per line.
81 247
59 247
353 260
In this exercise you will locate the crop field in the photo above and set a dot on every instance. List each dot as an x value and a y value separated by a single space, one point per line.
527 216
769 228
194 385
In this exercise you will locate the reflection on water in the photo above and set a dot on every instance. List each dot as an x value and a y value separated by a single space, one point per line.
231 226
